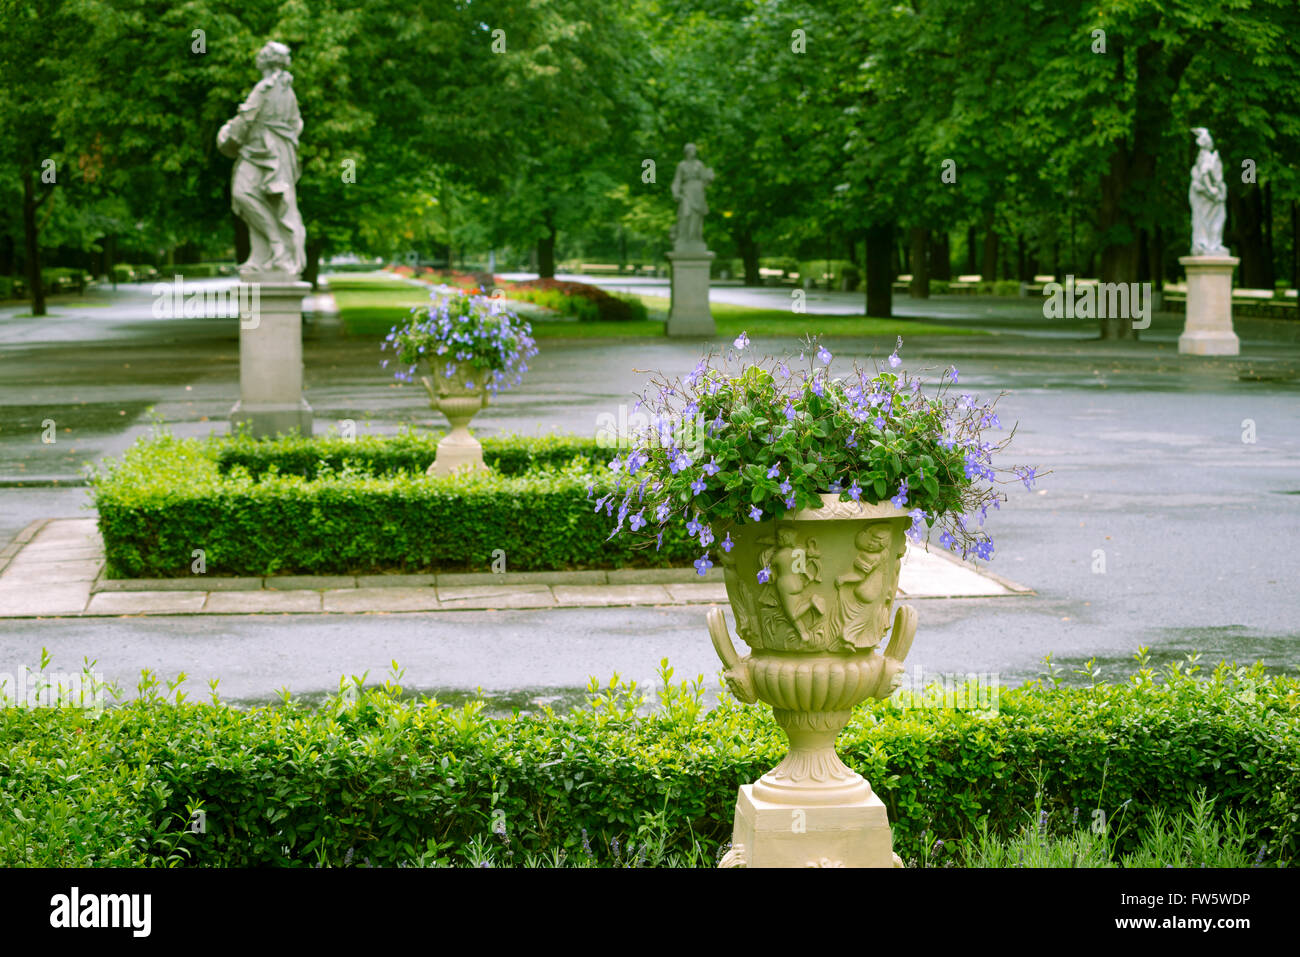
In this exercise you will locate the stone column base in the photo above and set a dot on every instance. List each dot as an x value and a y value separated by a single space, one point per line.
270 355
269 418
785 835
1207 330
689 314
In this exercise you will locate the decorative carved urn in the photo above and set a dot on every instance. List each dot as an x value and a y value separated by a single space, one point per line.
813 627
453 397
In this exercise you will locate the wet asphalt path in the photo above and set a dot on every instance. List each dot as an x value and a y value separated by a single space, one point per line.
1197 529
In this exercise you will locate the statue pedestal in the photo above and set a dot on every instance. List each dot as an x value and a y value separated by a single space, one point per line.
1208 327
270 355
689 313
853 834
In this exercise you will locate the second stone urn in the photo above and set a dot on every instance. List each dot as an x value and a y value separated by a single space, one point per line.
813 596
459 397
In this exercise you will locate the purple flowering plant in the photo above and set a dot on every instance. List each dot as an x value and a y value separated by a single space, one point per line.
773 440
461 329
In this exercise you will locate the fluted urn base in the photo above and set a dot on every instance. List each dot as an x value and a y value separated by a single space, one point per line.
458 450
811 773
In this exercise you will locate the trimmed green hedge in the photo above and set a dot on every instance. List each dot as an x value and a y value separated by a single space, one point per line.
409 451
379 778
326 506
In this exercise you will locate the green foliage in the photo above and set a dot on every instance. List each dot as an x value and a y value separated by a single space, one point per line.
374 776
326 506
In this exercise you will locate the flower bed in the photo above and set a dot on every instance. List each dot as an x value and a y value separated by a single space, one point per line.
329 506
582 300
376 778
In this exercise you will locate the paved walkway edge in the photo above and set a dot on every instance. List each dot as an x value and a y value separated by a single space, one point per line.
54 568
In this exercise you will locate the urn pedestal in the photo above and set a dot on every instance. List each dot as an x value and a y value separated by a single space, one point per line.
459 397
814 623
689 313
270 355
1207 330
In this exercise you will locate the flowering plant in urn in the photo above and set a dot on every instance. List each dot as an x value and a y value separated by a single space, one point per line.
805 487
473 347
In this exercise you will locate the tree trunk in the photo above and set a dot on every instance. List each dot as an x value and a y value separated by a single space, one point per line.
989 266
749 257
1131 168
243 247
940 256
1022 260
1157 258
33 247
972 266
880 244
919 260
311 268
1246 208
1295 244
546 250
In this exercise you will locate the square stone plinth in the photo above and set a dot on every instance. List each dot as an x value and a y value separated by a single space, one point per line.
784 835
689 313
1208 330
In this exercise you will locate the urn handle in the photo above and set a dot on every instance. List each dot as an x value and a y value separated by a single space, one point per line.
900 643
737 671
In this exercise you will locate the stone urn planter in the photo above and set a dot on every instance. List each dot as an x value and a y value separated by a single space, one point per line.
459 397
805 486
814 626
472 348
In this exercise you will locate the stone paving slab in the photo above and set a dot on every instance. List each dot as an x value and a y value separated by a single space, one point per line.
194 583
354 600
146 603
41 573
26 601
261 602
39 577
606 595
489 596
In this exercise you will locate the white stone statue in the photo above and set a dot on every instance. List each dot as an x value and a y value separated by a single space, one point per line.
689 181
1208 195
263 140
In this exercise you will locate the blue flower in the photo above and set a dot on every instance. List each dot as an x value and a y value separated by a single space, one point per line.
789 411
900 499
706 536
824 355
918 516
789 502
946 539
855 491
894 361
1027 475
711 467
774 472
697 486
764 575
952 373
702 564
785 487
727 543
637 520
755 512
742 341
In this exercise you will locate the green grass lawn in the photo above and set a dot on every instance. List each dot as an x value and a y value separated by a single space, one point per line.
370 305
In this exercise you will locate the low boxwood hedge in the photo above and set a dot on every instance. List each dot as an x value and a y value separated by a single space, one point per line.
376 777
330 506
